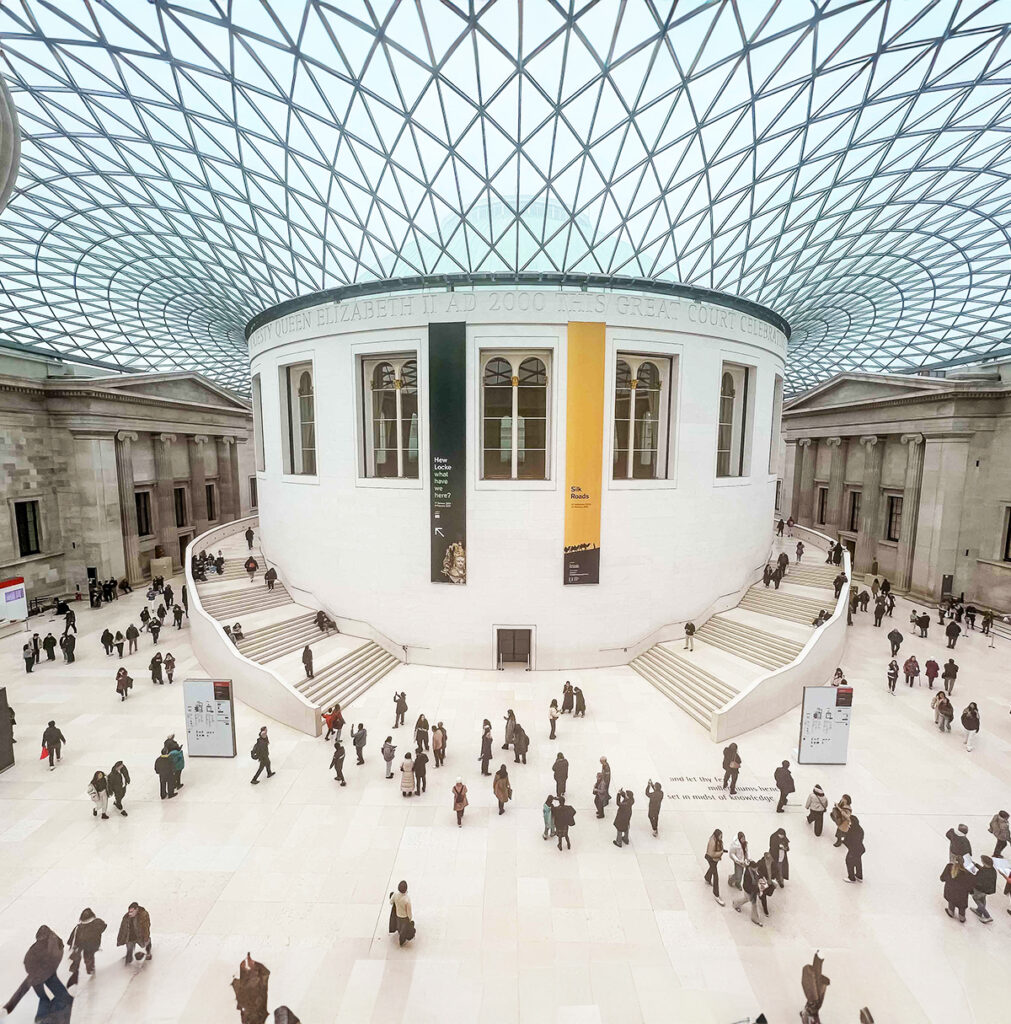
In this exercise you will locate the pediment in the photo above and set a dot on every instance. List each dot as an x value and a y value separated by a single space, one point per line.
847 390
188 387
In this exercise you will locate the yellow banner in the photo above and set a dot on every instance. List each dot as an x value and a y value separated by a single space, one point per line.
584 452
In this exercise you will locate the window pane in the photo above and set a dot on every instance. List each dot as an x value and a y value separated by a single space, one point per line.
498 373
409 431
532 434
498 401
26 515
644 464
532 466
382 377
496 465
533 373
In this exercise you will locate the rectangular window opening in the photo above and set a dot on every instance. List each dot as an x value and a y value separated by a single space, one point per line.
390 408
142 499
822 502
298 419
212 501
515 422
732 438
26 517
643 415
855 497
179 499
253 498
894 530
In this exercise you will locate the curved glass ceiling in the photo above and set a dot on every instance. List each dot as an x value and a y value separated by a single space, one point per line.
186 164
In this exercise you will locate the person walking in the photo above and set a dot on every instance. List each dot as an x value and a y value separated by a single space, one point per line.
169 664
132 636
623 816
689 636
84 942
784 783
879 611
779 527
399 709
337 761
948 676
970 722
546 814
69 647
119 779
838 583
911 670
250 989
70 621
155 667
892 675
485 756
553 714
106 639
943 711
420 772
800 551
521 744
731 767
714 854
177 616
135 933
563 817
261 754
654 794
842 815
185 598
1000 829
98 790
510 728
816 806
270 578
421 732
501 788
407 776
41 962
752 884
307 661
739 860
251 565
952 631
580 710
389 751
853 840
249 537
895 640
358 738
984 884
439 738
402 915
779 847
166 772
123 683
931 670
154 628
52 742
767 574
459 801
958 883
560 770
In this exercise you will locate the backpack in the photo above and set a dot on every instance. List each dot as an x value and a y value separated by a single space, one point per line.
252 753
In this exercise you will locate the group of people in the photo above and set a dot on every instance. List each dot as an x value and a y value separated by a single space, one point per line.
206 564
107 590
965 875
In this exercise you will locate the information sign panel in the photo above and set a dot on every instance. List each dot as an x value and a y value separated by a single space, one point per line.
210 717
825 724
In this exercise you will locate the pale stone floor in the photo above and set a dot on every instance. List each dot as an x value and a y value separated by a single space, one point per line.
297 870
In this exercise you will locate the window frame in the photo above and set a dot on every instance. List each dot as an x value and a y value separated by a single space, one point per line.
211 498
893 518
146 493
257 402
855 503
254 492
182 489
367 365
776 429
667 365
515 356
740 450
822 505
292 456
36 527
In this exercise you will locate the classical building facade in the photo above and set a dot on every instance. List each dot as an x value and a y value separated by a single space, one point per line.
912 473
100 474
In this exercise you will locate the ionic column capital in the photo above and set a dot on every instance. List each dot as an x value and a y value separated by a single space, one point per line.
227 439
913 439
199 438
126 435
804 442
869 439
166 438
832 442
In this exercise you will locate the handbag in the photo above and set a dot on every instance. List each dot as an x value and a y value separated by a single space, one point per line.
393 918
409 931
45 753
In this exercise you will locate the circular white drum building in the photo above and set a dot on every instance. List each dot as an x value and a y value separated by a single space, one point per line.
517 472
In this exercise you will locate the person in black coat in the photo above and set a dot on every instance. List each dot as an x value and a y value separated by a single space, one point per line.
839 582
731 767
107 641
70 621
958 883
784 783
84 943
984 884
177 616
779 846
155 667
337 762
53 740
49 646
69 646
563 817
895 639
399 709
560 770
521 744
853 840
261 754
952 632
623 816
270 577
580 711
420 772
767 574
166 772
118 779
249 537
42 961
654 794
485 755
132 635
307 661
358 738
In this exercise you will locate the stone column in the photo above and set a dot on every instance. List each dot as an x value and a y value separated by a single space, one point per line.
870 499
236 491
791 480
168 534
839 448
939 519
910 509
809 450
227 496
128 504
198 481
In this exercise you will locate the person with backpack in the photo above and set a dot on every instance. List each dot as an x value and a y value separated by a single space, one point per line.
261 754
970 722
250 565
459 801
270 578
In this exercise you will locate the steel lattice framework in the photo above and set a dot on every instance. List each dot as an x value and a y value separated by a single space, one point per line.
185 164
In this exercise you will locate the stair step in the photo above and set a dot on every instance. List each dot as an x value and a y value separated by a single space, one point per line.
275 641
694 676
351 690
784 606
348 677
676 695
754 645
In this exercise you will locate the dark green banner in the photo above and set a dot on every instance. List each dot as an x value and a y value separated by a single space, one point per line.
447 418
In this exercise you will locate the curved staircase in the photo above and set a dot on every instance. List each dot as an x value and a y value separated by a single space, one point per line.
349 677
765 649
697 692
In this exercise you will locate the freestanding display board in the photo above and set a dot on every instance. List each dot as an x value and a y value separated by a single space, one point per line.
13 601
825 724
210 717
6 733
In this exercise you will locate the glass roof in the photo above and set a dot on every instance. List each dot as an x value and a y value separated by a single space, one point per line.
186 164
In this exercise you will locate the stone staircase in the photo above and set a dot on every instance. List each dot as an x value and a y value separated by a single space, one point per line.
782 605
694 690
814 575
280 638
234 568
755 645
349 677
230 605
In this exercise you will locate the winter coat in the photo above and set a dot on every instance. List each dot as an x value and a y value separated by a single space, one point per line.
164 767
958 844
250 989
44 955
853 840
950 670
714 848
931 669
501 788
521 741
580 703
730 755
87 935
510 730
623 816
132 632
560 770
958 883
985 880
970 720
359 738
841 814
407 776
952 630
420 764
784 780
119 779
1000 828
486 746
460 800
895 636
135 929
911 667
52 738
438 738
177 759
270 576
389 751
261 749
816 803
563 816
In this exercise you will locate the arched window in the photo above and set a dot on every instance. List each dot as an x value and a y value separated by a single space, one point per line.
641 417
514 392
299 419
393 401
732 429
